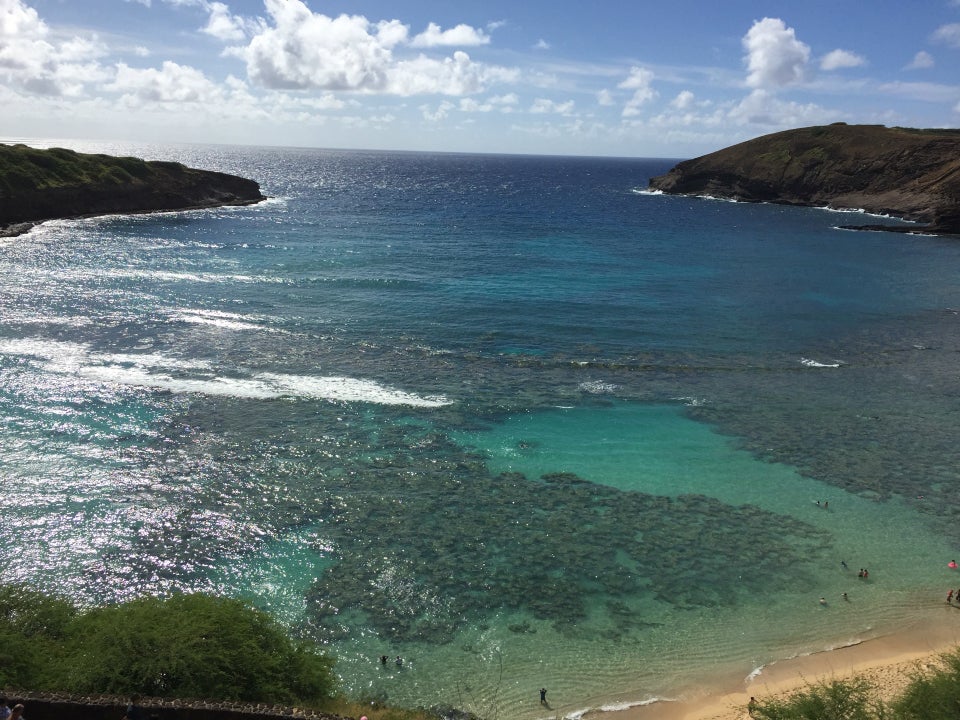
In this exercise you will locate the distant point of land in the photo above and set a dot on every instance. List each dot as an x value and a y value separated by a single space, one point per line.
38 185
906 173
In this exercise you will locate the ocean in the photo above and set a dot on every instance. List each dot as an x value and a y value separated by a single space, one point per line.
513 419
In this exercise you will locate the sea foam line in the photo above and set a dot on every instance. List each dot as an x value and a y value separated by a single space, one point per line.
814 363
158 372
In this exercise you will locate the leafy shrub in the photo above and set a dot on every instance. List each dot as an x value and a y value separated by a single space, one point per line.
934 695
186 646
32 627
837 700
195 646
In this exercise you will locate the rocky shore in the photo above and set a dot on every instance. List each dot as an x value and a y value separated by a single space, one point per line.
906 173
38 185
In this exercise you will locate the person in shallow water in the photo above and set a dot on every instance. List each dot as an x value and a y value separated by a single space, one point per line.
543 696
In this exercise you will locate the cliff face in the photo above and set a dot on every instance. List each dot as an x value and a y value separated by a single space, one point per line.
913 174
38 185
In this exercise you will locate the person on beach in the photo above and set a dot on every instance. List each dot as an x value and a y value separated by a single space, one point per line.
751 706
543 696
17 712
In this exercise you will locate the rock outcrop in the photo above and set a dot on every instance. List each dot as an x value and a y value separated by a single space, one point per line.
37 185
907 173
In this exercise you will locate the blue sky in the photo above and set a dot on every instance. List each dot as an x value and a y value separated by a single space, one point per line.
671 78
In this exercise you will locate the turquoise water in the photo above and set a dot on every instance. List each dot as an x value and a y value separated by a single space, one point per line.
510 418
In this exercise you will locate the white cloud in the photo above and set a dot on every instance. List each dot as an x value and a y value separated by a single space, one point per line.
683 101
223 25
32 60
639 81
541 44
836 59
948 35
457 75
774 55
542 106
762 107
462 35
141 51
298 49
605 98
508 100
172 83
921 61
443 109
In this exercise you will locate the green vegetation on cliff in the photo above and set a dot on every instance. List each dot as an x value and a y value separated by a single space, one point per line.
38 185
908 173
185 646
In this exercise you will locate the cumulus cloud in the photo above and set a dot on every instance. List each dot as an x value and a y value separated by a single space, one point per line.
921 61
763 107
639 81
541 44
605 98
443 109
461 35
297 49
30 59
172 83
542 106
683 101
948 35
836 59
223 25
775 57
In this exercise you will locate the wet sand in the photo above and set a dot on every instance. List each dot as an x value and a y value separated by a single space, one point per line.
888 662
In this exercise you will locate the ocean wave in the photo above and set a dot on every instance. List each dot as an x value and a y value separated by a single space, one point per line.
225 320
597 387
159 372
640 191
817 364
617 707
691 401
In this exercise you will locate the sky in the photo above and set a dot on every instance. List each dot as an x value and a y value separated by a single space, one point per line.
629 78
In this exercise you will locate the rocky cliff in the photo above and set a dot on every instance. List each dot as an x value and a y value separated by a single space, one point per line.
37 185
907 173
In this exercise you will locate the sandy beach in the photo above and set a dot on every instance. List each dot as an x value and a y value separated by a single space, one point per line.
888 662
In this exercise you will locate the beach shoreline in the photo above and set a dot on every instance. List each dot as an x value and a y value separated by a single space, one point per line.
887 661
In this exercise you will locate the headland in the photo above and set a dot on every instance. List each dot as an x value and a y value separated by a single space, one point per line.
38 185
902 172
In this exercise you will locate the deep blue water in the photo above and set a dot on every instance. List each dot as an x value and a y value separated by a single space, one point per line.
511 417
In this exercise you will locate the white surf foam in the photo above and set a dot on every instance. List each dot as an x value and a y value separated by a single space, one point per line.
817 364
159 372
597 387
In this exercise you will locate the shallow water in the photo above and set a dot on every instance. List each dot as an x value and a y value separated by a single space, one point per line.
510 418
